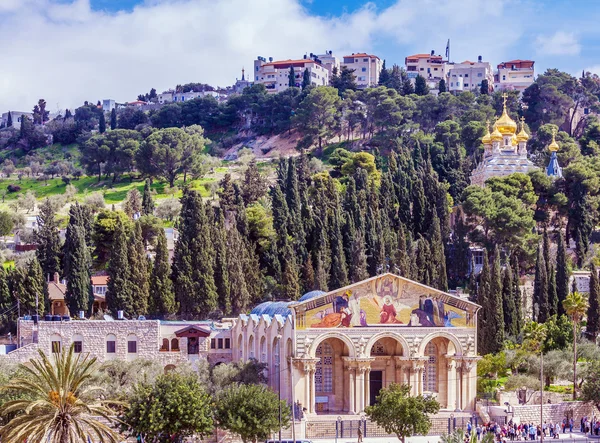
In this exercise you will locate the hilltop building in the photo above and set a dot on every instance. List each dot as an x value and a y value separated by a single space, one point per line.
242 84
553 169
275 74
332 352
505 151
16 117
366 68
468 75
514 75
430 66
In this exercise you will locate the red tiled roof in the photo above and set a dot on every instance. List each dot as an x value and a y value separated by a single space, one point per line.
361 54
137 102
289 62
424 56
100 280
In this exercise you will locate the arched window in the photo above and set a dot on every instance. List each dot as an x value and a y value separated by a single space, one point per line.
165 344
55 343
263 350
430 372
132 347
251 347
78 343
174 344
324 369
240 349
111 345
378 348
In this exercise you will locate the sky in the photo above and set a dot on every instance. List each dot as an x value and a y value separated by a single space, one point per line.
68 51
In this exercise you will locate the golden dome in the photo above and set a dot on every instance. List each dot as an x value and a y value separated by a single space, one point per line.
505 124
522 136
553 147
487 139
496 136
514 140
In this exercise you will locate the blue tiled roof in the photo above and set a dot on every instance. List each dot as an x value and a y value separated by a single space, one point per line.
272 308
554 169
311 294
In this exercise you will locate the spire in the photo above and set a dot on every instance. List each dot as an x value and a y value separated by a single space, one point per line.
243 74
553 170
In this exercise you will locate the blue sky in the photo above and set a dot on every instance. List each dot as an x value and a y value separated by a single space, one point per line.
97 49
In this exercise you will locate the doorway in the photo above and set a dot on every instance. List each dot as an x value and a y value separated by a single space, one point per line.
375 385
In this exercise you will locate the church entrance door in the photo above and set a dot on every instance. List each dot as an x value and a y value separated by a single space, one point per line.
375 385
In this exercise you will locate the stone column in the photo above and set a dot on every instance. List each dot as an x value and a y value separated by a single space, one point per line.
307 390
471 386
368 387
459 385
451 385
360 389
313 407
351 389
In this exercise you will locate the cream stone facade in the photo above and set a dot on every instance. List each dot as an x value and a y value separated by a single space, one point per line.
332 352
169 343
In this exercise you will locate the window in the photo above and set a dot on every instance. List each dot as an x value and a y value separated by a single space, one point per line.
111 346
364 69
227 343
324 369
355 60
466 75
174 344
220 343
165 344
466 85
504 77
421 69
77 347
132 346
478 257
55 347
435 69
213 343
479 74
365 59
378 348
430 372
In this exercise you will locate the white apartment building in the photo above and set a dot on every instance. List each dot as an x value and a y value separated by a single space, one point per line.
108 105
329 61
366 68
430 66
16 117
514 75
275 74
171 96
468 75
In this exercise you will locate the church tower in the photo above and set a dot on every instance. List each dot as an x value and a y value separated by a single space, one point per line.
505 151
553 170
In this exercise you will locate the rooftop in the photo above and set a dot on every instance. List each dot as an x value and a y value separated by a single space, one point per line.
361 54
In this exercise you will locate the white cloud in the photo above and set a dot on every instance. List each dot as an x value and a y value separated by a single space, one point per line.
560 43
67 53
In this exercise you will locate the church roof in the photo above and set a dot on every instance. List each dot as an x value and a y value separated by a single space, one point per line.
272 308
554 169
311 295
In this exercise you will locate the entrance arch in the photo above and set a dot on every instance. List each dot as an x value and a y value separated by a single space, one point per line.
330 381
332 335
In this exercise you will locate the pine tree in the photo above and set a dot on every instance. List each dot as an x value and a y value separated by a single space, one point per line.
240 297
119 292
291 77
147 201
78 263
102 123
483 299
34 289
9 121
540 289
593 314
407 86
384 75
442 86
508 300
138 272
113 119
562 273
48 240
496 314
305 79
193 262
162 298
421 87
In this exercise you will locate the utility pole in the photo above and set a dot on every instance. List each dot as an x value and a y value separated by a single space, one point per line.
291 369
279 380
541 395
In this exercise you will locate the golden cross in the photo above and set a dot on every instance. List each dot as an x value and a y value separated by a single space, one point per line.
505 96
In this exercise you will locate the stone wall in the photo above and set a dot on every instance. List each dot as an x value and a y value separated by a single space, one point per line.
551 412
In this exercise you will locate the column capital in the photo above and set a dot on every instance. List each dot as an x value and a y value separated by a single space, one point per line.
469 362
307 364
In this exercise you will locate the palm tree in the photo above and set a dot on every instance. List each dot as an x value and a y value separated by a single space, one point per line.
56 404
575 306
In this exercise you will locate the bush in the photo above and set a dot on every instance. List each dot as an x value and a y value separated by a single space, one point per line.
13 188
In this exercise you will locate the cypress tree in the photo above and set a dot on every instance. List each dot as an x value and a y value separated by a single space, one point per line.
421 87
113 119
419 207
102 124
552 294
9 121
483 296
78 263
358 259
320 273
472 281
240 297
308 275
222 264
193 261
162 298
119 292
339 275
289 274
423 261
496 314
138 272
438 257
562 273
253 274
546 250
401 258
48 241
147 200
593 313
34 289
6 302
508 300
384 75
291 77
518 319
305 79
254 185
540 289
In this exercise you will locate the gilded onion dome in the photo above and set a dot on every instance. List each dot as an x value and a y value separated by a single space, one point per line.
496 136
514 140
505 124
487 138
522 136
553 147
